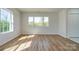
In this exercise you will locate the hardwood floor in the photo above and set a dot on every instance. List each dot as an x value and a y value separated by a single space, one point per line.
40 43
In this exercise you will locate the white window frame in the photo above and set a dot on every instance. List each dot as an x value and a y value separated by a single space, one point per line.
11 22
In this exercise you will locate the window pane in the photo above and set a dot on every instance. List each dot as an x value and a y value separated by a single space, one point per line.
4 16
38 21
6 20
9 19
30 21
45 21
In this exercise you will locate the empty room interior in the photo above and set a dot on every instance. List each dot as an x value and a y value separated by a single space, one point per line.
39 29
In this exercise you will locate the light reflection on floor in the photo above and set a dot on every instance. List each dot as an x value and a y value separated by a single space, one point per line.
11 48
21 45
24 45
25 37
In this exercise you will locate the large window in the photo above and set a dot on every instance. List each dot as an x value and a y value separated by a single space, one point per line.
6 20
38 21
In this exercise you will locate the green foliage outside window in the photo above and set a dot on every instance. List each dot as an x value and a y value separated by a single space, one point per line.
4 26
39 24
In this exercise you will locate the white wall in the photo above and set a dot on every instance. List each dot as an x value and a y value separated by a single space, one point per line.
62 22
51 29
68 24
8 36
73 24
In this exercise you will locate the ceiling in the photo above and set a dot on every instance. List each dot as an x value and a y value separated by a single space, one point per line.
39 9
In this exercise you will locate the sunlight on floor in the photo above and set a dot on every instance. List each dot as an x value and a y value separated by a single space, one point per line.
24 45
26 37
11 48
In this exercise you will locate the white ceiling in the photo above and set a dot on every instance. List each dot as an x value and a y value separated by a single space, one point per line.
39 9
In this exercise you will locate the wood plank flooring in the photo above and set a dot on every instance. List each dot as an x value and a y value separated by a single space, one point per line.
40 43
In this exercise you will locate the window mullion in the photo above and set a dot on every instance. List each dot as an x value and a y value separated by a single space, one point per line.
43 20
10 23
7 23
33 21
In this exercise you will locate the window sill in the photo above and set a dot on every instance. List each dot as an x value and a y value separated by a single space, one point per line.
6 32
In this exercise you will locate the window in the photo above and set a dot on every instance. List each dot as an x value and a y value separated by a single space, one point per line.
6 20
38 21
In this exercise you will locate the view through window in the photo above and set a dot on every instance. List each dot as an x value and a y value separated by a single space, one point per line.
6 20
38 21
